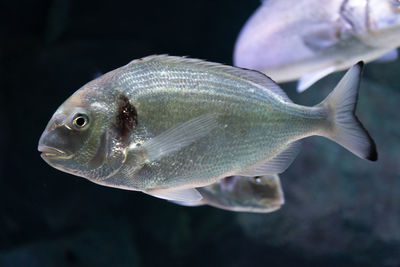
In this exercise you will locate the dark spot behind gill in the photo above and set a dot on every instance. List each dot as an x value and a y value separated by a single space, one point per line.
127 118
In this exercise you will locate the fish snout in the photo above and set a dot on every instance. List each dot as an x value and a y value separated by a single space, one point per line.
50 152
53 143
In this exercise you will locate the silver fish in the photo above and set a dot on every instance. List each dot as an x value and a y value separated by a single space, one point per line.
310 39
246 194
166 125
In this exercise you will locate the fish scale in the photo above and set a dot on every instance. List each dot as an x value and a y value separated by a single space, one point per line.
232 150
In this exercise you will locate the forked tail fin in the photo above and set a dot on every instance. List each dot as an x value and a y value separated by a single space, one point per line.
344 127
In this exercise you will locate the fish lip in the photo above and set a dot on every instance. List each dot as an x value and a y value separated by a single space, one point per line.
52 152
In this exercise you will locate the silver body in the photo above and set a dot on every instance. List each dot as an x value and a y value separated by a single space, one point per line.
254 124
287 39
167 125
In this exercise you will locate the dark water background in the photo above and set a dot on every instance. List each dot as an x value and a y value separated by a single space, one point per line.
339 211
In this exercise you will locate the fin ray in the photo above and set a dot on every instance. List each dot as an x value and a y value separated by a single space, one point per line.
345 128
179 136
189 195
276 165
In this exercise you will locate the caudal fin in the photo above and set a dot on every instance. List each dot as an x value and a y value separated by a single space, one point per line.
345 128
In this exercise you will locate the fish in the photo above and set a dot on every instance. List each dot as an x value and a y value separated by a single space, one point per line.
261 194
310 39
165 125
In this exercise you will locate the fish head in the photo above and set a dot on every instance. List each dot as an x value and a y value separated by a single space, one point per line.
384 21
262 191
375 22
383 14
80 138
266 189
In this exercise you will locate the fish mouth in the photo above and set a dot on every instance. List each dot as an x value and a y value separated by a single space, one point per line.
52 152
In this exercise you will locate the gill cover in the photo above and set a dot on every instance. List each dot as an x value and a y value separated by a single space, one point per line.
355 14
85 139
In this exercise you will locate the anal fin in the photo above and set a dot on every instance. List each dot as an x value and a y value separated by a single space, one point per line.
276 165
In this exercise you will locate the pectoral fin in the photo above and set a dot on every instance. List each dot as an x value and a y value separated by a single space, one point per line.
322 36
188 204
190 195
276 165
309 79
392 55
179 136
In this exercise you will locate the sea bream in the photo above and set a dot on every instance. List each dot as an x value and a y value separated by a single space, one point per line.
165 125
261 194
307 40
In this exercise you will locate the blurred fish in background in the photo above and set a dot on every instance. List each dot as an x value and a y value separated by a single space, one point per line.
261 194
307 40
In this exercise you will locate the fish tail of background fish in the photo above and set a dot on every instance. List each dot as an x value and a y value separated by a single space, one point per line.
343 126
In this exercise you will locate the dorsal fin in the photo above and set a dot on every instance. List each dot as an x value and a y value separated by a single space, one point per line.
260 80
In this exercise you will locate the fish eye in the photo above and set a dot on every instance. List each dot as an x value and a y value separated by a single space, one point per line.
257 179
80 121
